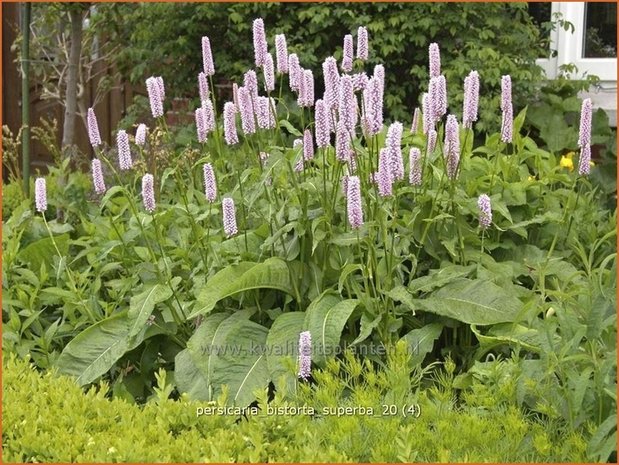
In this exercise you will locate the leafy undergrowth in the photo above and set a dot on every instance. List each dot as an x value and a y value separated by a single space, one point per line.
52 420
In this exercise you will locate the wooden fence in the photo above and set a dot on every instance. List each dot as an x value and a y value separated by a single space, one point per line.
109 111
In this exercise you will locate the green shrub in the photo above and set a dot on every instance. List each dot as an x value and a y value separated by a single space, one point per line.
504 41
47 418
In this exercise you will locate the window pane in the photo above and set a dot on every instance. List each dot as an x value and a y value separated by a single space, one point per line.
600 30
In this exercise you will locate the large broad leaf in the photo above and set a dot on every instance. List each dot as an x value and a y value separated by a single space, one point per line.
225 350
325 319
93 352
476 302
242 364
282 348
420 341
271 274
141 306
200 346
43 250
189 378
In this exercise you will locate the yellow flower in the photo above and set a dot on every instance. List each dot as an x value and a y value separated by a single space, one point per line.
531 178
567 161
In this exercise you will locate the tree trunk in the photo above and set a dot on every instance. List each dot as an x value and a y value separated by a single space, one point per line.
70 113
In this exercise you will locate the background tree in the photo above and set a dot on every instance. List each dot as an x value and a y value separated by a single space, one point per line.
67 54
164 39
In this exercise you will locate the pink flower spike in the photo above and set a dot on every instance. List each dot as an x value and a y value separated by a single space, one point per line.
229 214
201 125
332 82
294 69
148 193
230 133
250 82
346 104
471 99
305 355
432 136
385 179
415 123
426 109
203 86
306 93
97 176
435 60
159 81
140 135
353 203
586 114
438 97
323 133
452 146
377 96
209 115
269 73
246 109
207 57
124 153
507 124
210 185
506 92
281 53
93 128
40 195
414 176
308 145
362 43
155 97
264 113
394 142
342 143
584 163
347 54
485 211
260 42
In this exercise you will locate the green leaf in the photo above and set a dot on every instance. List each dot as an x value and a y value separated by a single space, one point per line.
401 294
476 302
271 274
242 364
325 319
509 334
141 306
421 341
189 378
43 251
367 325
282 343
348 269
225 349
291 129
95 350
438 278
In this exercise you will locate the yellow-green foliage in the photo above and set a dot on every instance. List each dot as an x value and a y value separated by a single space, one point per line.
48 418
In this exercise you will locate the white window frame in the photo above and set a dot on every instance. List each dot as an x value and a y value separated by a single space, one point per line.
569 47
